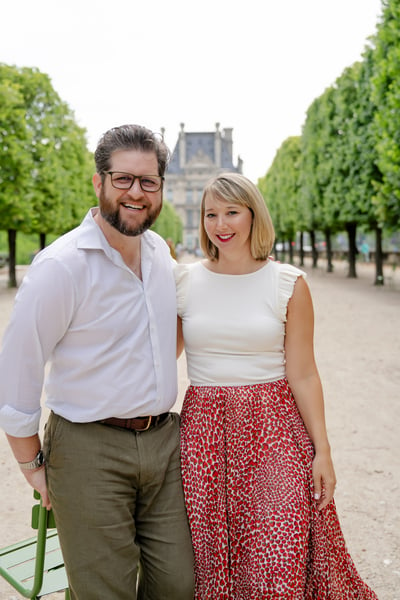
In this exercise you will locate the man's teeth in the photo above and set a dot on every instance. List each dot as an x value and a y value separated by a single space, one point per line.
133 206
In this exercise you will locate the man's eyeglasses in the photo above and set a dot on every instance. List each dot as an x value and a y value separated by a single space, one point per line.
124 181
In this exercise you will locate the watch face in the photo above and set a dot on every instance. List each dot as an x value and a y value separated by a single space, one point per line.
40 458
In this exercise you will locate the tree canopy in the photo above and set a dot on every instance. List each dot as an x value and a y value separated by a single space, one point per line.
44 161
45 166
345 170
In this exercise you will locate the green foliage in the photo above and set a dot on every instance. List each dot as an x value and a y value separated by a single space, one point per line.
168 224
16 161
349 154
386 95
280 189
316 161
44 162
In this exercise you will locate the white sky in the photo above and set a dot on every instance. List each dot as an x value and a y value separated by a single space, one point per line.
254 65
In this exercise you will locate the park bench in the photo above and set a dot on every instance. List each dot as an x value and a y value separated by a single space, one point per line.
35 567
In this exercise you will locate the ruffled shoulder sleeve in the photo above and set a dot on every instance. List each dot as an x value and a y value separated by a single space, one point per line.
288 275
181 273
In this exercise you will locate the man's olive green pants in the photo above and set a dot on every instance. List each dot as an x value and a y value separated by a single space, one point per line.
118 503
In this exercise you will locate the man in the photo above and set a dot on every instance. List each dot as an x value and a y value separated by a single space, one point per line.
99 304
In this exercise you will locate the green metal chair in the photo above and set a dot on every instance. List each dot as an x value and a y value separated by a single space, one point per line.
35 567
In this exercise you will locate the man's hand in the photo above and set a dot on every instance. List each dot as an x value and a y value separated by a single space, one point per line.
37 479
25 450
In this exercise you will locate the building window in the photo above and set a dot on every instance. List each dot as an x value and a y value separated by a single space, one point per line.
189 242
189 196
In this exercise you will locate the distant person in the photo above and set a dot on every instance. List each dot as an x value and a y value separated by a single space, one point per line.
256 460
99 305
365 251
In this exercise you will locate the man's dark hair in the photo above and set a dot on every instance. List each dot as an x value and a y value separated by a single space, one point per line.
130 137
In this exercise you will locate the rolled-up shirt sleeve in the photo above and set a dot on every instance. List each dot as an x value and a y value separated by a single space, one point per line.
43 309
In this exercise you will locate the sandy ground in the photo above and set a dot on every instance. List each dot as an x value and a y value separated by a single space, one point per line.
357 343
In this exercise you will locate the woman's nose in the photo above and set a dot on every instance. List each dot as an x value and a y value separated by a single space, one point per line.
221 221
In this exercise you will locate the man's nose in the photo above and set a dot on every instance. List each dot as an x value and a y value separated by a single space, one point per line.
135 189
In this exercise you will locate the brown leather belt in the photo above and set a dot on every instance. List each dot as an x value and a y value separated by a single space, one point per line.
136 424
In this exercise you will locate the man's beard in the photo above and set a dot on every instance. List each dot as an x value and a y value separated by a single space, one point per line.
114 219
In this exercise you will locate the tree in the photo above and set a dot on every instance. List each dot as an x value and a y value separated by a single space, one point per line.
48 183
342 195
339 158
280 189
168 224
364 157
316 171
354 170
386 86
15 164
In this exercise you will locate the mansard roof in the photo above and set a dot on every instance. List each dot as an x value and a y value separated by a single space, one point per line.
200 152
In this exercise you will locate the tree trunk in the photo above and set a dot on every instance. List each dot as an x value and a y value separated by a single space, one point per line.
328 240
301 250
290 252
42 241
379 279
12 277
351 229
314 250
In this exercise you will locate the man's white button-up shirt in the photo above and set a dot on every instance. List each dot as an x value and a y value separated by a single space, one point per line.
109 337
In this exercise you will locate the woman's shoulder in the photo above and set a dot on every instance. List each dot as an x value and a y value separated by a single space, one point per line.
286 270
182 274
286 276
182 271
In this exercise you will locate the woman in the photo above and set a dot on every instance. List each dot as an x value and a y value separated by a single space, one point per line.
256 462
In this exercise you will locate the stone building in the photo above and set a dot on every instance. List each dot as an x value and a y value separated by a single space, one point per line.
196 157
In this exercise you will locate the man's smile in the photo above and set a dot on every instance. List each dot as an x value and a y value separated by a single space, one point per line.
132 206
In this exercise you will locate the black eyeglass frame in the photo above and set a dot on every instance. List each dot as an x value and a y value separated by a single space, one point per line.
160 177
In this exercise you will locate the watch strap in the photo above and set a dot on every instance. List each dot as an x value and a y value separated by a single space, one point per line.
36 463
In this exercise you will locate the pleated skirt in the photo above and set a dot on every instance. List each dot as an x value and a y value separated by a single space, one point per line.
247 476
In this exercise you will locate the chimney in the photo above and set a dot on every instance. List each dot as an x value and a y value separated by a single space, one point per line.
217 146
182 147
228 142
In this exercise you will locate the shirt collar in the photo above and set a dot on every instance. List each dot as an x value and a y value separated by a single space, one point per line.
90 234
91 237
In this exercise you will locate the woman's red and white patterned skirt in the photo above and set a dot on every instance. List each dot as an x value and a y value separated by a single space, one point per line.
247 475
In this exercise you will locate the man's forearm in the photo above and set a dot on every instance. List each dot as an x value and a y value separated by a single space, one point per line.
24 449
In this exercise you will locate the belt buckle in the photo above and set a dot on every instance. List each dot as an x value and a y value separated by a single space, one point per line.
147 426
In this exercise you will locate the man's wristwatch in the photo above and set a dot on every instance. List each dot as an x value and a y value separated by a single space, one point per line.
37 462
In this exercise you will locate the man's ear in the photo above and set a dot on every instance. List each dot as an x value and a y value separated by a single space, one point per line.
97 184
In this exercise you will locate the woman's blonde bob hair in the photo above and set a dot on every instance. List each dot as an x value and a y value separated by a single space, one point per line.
237 189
